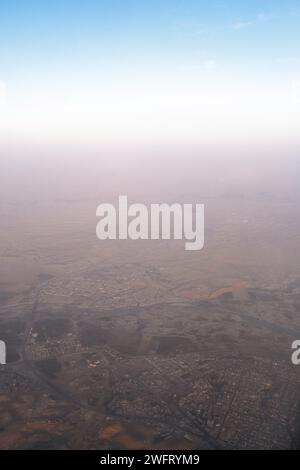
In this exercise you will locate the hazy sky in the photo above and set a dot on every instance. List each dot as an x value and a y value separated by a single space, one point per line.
159 70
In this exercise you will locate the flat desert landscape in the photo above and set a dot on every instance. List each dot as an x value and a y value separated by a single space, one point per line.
123 344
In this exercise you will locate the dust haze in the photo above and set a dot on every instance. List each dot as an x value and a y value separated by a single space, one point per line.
140 344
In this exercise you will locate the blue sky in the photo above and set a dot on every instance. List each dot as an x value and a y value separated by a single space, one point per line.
149 69
162 30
